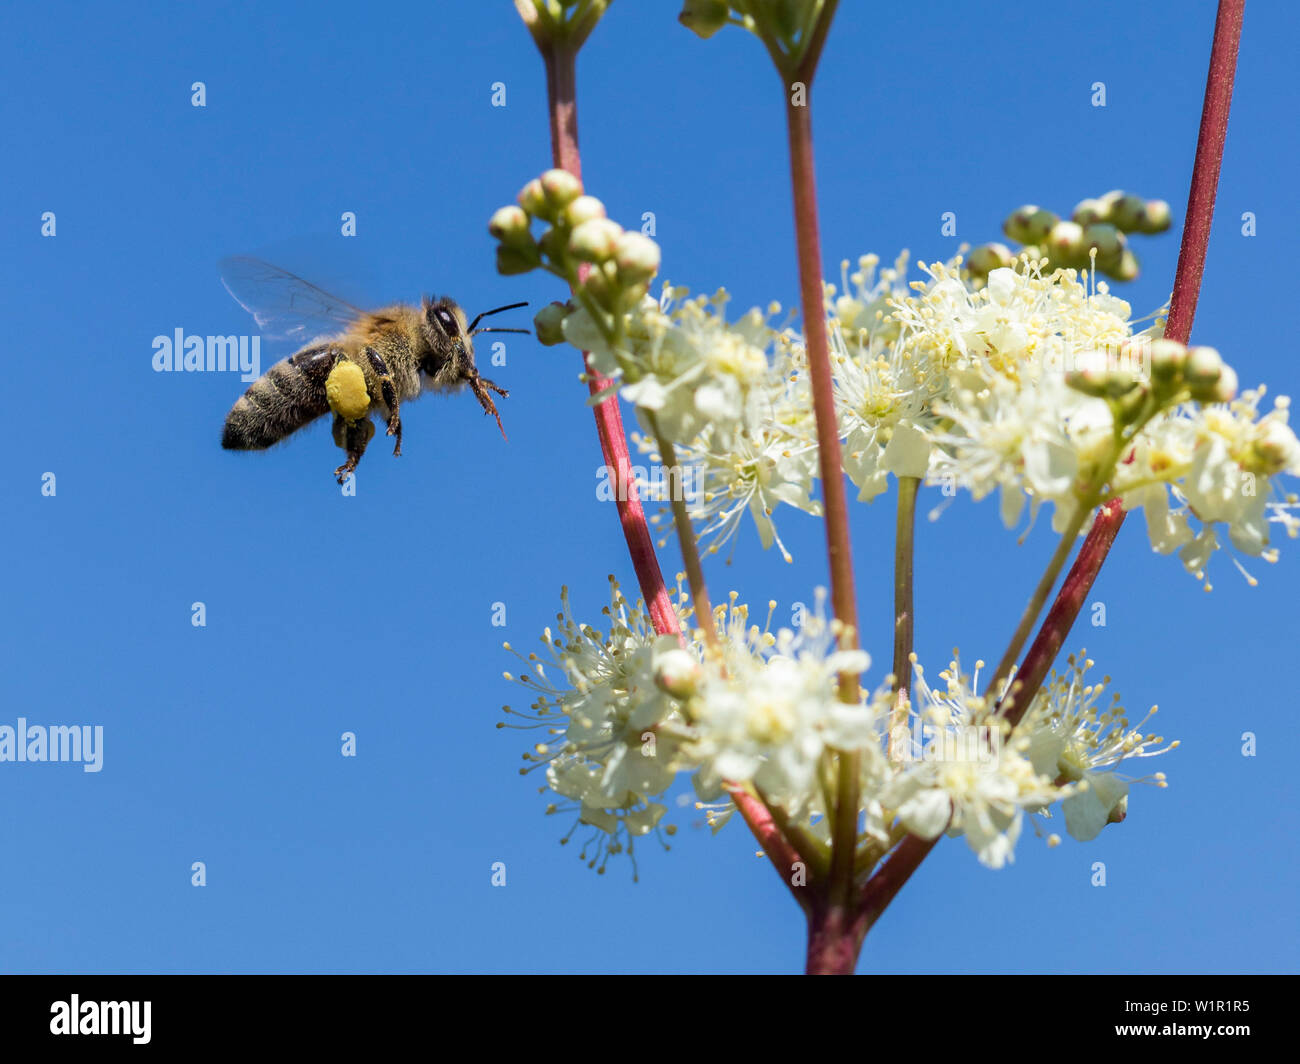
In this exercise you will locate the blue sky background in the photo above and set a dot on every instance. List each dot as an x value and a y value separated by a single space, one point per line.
222 743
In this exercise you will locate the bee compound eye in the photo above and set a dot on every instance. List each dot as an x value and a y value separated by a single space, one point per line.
447 321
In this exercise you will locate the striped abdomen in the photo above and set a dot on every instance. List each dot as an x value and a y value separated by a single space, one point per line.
282 400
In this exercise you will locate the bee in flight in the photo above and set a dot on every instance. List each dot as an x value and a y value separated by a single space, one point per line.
374 361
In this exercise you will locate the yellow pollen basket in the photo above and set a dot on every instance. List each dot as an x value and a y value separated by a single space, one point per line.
345 388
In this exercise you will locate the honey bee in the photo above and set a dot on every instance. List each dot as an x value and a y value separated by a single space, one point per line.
373 361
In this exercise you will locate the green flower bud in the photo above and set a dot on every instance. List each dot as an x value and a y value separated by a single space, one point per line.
510 226
986 258
583 209
704 17
1108 241
1088 381
1168 357
1271 452
1126 212
637 258
1127 267
1099 375
594 240
548 323
1208 379
532 199
512 260
1203 369
1030 224
1065 244
555 244
602 286
560 188
1155 217
1090 211
1225 388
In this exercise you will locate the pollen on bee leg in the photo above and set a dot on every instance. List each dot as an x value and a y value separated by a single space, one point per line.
345 389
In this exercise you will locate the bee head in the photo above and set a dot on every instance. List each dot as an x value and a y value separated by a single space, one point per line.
449 342
449 349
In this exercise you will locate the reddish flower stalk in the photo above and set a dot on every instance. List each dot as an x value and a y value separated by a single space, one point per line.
798 112
797 86
1182 309
783 856
881 889
560 57
561 91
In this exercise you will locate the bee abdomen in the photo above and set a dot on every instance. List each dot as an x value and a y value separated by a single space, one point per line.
282 400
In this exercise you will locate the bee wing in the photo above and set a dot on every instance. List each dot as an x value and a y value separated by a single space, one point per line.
284 306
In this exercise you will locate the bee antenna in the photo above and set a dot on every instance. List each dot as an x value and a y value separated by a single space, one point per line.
497 310
526 332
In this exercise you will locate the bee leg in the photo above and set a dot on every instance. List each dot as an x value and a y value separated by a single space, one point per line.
390 396
352 436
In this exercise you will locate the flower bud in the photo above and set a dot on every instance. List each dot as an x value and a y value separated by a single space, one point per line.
704 17
1274 449
516 260
1225 388
601 286
583 209
637 258
1204 367
1167 359
1065 244
1098 375
1090 211
533 199
1030 224
1127 267
1108 241
554 243
1091 375
594 240
560 188
986 258
1155 217
510 226
548 323
677 672
1126 212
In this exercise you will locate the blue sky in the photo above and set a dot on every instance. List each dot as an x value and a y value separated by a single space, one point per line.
373 613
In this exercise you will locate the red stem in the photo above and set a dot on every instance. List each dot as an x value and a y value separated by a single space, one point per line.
885 884
561 87
783 856
804 181
1182 309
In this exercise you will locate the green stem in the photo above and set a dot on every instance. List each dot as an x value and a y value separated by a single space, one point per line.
904 623
685 535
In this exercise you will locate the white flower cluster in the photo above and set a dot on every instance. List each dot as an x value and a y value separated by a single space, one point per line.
1039 389
1030 385
762 712
730 397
